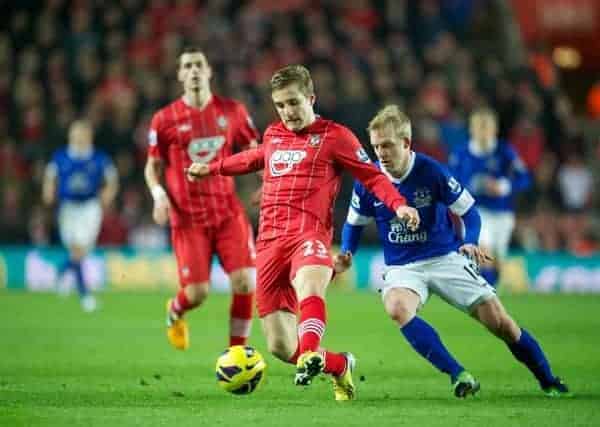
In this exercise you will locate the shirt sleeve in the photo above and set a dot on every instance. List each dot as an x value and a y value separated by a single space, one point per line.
246 132
351 156
360 211
157 147
451 192
241 163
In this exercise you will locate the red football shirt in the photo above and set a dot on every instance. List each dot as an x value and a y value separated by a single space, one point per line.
303 175
180 134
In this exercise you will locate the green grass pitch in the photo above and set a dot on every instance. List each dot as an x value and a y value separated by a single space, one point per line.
62 367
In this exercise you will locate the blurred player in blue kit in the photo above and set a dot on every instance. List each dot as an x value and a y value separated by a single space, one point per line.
80 179
436 258
493 173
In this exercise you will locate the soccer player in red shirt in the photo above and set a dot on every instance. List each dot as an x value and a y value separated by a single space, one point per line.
303 156
205 217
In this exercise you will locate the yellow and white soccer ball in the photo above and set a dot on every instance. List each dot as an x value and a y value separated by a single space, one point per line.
240 369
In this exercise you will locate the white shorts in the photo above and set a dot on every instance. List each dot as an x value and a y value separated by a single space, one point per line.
496 231
79 223
452 277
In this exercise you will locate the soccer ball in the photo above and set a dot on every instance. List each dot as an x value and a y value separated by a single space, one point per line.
240 369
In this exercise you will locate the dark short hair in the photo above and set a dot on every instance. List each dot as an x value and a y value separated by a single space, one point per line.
293 74
189 49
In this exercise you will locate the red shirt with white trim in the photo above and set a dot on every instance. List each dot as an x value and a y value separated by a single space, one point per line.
302 176
180 134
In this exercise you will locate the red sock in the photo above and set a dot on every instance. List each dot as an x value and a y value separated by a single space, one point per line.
181 304
312 323
240 319
335 363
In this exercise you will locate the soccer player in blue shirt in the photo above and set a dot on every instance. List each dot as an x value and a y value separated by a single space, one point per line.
493 173
434 258
81 179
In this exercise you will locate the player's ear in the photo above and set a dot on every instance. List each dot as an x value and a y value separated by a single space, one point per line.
406 143
312 98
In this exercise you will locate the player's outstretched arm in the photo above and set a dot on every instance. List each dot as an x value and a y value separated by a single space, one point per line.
353 158
251 160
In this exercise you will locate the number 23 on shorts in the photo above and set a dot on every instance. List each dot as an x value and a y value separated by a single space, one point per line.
315 247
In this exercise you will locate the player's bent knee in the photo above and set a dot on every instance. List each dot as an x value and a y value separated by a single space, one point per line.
400 311
242 282
196 292
401 305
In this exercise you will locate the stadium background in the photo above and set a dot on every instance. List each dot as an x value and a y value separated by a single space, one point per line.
115 63
536 62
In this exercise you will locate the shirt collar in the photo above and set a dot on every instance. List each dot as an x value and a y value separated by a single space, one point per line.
411 164
79 154
477 151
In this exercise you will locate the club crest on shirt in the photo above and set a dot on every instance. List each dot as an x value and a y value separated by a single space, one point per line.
283 161
422 197
454 185
362 155
185 127
314 140
222 122
203 150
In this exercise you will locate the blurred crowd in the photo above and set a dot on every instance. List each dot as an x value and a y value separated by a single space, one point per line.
115 62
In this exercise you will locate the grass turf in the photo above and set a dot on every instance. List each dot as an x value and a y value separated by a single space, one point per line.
62 367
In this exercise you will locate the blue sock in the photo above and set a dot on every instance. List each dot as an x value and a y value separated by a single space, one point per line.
528 351
491 275
81 288
426 341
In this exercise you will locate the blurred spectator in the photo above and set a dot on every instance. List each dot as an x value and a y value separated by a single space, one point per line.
575 182
112 62
529 141
593 101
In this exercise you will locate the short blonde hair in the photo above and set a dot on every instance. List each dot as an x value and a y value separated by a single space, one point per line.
391 115
293 74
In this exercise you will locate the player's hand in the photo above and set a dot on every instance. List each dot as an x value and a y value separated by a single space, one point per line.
197 171
342 262
410 216
492 187
476 253
162 205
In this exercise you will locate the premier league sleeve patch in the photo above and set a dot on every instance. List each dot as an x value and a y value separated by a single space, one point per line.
152 138
362 155
454 185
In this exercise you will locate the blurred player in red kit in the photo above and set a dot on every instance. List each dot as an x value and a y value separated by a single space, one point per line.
205 217
303 156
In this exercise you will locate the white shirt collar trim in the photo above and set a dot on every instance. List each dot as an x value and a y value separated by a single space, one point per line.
477 151
79 154
411 164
